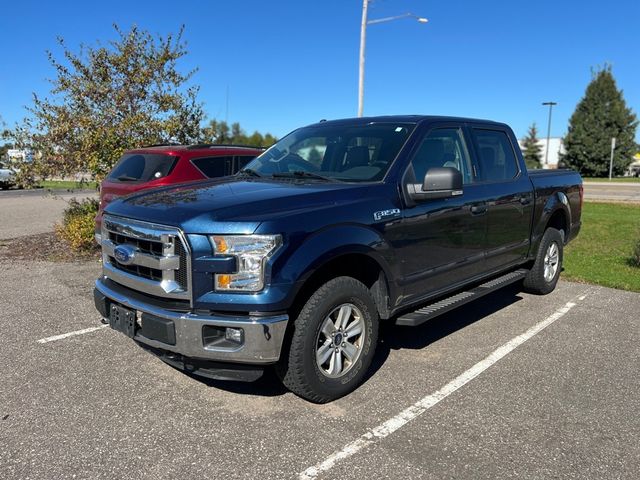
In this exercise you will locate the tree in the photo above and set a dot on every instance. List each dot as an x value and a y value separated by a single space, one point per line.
109 98
601 115
220 132
531 148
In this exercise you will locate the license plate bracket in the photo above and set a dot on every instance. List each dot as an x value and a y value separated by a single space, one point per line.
123 320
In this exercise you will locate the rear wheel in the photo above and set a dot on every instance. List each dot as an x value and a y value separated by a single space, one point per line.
544 275
333 342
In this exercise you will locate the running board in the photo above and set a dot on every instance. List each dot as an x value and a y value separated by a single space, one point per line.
423 314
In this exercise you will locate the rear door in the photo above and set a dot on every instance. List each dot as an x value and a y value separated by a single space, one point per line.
441 242
509 195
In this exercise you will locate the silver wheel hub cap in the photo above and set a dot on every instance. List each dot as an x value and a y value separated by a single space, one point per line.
551 262
340 340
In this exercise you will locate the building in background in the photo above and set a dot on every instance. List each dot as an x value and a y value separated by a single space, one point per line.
634 168
556 148
20 155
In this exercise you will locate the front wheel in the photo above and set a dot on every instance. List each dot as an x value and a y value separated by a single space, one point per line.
544 275
333 342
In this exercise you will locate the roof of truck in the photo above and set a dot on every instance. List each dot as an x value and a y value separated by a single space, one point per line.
403 119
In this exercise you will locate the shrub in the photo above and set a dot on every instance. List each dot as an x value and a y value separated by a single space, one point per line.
635 257
78 225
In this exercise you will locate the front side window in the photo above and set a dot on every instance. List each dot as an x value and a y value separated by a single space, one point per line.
349 153
497 160
442 147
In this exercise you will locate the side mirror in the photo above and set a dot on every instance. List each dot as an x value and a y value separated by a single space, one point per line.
440 182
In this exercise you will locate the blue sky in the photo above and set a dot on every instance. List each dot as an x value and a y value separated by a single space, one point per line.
292 62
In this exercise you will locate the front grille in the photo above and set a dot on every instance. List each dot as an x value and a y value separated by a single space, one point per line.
146 246
156 258
181 273
138 270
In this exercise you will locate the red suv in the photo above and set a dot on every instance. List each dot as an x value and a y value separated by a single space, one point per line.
161 165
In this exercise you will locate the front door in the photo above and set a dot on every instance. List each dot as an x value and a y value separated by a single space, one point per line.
441 243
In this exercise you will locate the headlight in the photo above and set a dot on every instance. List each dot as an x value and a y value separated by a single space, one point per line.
251 252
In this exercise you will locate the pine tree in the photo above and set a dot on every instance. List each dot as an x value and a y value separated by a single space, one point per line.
601 115
531 149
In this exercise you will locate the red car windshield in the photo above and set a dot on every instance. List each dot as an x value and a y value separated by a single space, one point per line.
142 167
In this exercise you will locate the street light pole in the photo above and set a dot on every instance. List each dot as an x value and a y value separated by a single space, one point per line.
546 155
613 149
363 44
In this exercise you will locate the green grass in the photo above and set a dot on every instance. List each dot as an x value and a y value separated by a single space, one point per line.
602 252
67 185
614 179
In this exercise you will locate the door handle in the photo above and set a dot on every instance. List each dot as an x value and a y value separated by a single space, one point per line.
526 200
478 209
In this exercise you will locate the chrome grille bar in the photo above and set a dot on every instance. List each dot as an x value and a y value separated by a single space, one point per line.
153 259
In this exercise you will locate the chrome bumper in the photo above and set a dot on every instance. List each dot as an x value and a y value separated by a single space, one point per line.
263 336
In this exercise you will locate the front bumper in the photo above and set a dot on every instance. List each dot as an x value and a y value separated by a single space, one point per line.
262 339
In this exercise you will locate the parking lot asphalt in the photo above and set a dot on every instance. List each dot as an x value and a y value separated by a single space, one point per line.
563 404
29 212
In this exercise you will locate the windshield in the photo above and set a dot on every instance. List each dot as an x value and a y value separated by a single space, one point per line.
350 153
135 167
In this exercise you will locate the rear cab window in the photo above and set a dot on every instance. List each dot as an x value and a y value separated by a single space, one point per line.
495 154
142 167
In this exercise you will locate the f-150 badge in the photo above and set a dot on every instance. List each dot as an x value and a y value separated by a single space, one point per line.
386 214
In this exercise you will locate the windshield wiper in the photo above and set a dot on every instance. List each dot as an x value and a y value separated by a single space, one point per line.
303 174
248 171
127 178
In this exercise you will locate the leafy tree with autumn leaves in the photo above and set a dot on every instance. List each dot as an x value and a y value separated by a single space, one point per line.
109 98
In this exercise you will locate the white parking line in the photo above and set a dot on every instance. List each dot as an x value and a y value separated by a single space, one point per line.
71 334
421 406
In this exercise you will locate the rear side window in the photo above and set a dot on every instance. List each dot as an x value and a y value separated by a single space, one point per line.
213 167
142 167
497 160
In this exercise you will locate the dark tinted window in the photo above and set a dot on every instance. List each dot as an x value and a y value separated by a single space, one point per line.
213 167
142 167
242 161
443 147
497 160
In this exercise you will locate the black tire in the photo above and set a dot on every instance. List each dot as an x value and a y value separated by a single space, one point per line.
535 282
298 368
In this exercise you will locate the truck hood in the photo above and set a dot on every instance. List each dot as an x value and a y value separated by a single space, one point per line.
230 205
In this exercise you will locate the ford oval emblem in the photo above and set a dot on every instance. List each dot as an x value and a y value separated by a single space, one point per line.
124 254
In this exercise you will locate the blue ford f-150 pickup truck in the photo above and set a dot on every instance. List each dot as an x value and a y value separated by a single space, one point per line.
295 261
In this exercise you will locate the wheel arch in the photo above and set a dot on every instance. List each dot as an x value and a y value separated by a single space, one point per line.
556 213
361 265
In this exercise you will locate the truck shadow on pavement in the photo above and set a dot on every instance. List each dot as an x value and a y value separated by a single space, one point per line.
391 337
